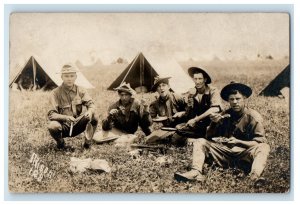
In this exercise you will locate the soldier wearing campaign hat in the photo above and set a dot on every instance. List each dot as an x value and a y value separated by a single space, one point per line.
66 115
234 136
203 100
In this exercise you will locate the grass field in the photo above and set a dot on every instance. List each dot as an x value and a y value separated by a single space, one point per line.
28 135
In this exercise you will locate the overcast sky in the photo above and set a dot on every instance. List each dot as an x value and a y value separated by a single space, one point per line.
87 37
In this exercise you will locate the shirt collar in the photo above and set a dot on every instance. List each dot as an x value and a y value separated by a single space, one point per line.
238 117
164 99
74 88
206 91
133 106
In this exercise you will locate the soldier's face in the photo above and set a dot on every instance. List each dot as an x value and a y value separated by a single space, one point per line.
163 89
124 97
69 78
199 80
237 102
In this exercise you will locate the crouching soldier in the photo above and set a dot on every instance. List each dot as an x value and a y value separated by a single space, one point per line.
125 116
235 136
67 116
170 107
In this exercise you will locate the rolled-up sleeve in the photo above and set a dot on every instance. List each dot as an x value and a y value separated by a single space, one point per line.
259 132
216 98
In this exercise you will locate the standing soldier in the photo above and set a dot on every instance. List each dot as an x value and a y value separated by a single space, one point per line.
66 115
234 136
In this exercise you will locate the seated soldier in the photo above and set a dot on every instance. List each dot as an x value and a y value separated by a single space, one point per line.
203 100
237 135
125 115
170 105
66 114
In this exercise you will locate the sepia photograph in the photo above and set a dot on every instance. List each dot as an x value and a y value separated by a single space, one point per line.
149 103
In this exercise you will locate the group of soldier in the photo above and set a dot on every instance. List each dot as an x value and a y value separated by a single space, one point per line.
228 137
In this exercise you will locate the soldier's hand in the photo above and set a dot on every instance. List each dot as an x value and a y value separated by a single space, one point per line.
144 105
88 114
113 111
232 141
179 114
191 123
215 117
70 119
143 102
190 102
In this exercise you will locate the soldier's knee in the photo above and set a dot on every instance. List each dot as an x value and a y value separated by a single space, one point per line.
95 119
180 126
263 148
200 142
84 120
54 126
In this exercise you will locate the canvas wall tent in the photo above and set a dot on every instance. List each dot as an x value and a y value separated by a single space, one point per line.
141 72
46 77
281 81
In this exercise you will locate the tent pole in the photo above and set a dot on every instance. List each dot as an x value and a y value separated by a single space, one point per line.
141 73
34 71
141 85
151 77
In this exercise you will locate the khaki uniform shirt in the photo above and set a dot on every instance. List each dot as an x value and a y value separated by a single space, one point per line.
70 102
248 126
